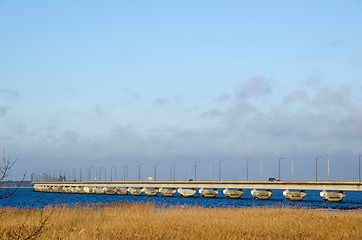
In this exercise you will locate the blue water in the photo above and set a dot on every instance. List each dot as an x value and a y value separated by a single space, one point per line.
28 198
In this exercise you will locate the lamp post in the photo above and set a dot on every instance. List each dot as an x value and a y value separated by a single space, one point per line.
139 171
220 161
80 174
316 167
359 168
210 171
174 171
291 163
261 170
328 169
170 171
90 173
125 172
115 173
195 168
279 168
155 171
247 169
100 173
234 168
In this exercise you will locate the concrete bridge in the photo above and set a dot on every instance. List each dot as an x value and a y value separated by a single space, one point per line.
292 185
231 189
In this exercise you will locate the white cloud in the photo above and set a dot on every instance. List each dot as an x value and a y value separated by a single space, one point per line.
161 101
329 97
297 96
9 94
3 110
255 86
212 113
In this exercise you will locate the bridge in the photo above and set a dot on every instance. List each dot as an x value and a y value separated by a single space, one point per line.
231 189
293 185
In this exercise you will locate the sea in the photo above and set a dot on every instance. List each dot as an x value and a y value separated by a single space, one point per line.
27 198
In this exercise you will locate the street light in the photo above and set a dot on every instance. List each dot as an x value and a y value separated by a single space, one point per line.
220 161
210 171
155 171
279 167
234 168
247 169
139 171
261 169
195 168
115 173
328 169
89 173
125 176
174 171
100 173
316 167
359 167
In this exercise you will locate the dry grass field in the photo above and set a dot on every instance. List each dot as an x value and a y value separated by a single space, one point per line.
147 221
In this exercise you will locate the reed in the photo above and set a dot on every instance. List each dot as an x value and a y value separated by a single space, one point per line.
150 221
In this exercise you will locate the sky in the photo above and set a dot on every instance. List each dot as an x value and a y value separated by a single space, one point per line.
106 84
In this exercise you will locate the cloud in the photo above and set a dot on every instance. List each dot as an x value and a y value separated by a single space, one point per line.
161 101
312 81
167 100
336 42
329 97
223 97
133 94
3 110
255 86
356 60
238 113
9 94
98 110
297 96
212 113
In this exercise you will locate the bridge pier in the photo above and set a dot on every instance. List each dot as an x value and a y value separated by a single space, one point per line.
332 196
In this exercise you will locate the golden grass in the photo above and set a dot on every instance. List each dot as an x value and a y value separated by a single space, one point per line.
146 221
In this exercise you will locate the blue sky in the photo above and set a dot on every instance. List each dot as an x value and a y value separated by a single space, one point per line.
89 84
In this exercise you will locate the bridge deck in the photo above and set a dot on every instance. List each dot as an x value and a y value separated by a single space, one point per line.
296 185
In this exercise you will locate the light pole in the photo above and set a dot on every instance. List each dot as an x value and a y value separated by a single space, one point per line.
189 170
247 169
291 163
139 171
89 173
234 168
115 173
100 173
125 173
155 170
80 173
195 168
316 167
261 170
359 168
220 161
170 171
279 167
210 171
174 171
328 169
